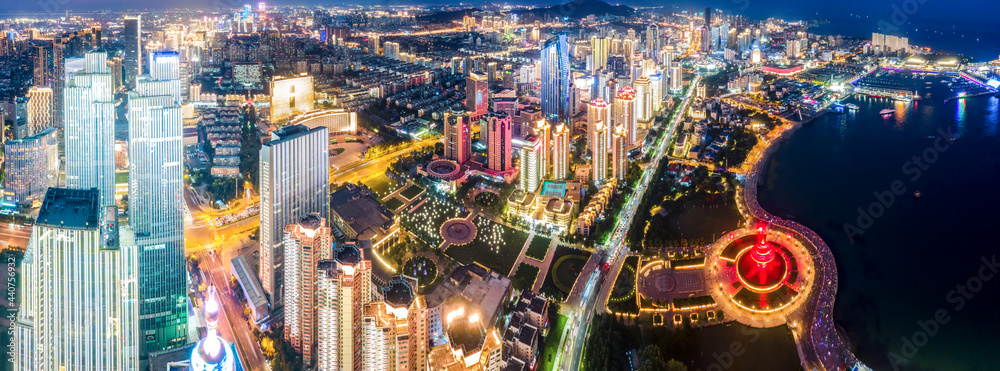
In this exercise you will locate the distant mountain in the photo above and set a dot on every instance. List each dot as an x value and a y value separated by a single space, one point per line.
442 17
577 9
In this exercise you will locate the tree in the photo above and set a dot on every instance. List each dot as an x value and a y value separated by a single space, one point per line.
651 359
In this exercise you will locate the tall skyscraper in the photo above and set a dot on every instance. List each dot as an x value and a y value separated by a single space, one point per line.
132 39
41 65
90 128
599 48
597 111
39 109
531 163
599 156
306 244
477 94
653 43
560 152
656 89
395 330
499 127
643 100
625 113
555 78
156 202
619 156
294 182
676 76
457 144
79 308
343 287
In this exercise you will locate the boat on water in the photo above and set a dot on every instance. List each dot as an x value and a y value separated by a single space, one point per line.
887 111
902 99
851 106
916 194
930 137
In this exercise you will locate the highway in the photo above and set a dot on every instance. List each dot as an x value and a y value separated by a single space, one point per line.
574 340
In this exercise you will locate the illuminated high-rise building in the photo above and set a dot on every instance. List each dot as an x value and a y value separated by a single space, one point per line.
294 182
477 94
79 307
676 76
132 38
531 163
597 111
306 243
599 156
653 44
395 330
39 109
624 112
89 130
560 152
619 154
156 202
31 166
599 48
498 128
656 85
457 141
643 100
343 287
555 78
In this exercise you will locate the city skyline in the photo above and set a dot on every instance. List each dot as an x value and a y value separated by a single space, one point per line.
473 186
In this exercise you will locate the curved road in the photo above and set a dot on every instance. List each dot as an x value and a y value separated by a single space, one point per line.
821 347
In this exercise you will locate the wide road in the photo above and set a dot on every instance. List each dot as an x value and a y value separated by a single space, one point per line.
615 249
363 169
15 235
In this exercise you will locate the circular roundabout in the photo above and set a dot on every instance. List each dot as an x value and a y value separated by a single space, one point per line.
458 231
760 275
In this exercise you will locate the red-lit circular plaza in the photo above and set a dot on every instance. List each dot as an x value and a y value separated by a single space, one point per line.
760 272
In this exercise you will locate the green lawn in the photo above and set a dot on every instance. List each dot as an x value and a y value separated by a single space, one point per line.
382 185
411 192
121 177
524 277
496 246
551 350
538 247
393 203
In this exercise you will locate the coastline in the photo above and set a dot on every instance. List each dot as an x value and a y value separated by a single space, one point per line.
822 335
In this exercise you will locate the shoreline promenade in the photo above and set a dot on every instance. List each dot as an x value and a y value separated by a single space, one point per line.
819 344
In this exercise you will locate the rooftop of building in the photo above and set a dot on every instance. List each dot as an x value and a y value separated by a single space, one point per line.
70 208
358 207
399 292
287 133
348 254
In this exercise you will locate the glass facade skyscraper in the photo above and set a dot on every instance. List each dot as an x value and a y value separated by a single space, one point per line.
90 128
556 78
156 202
